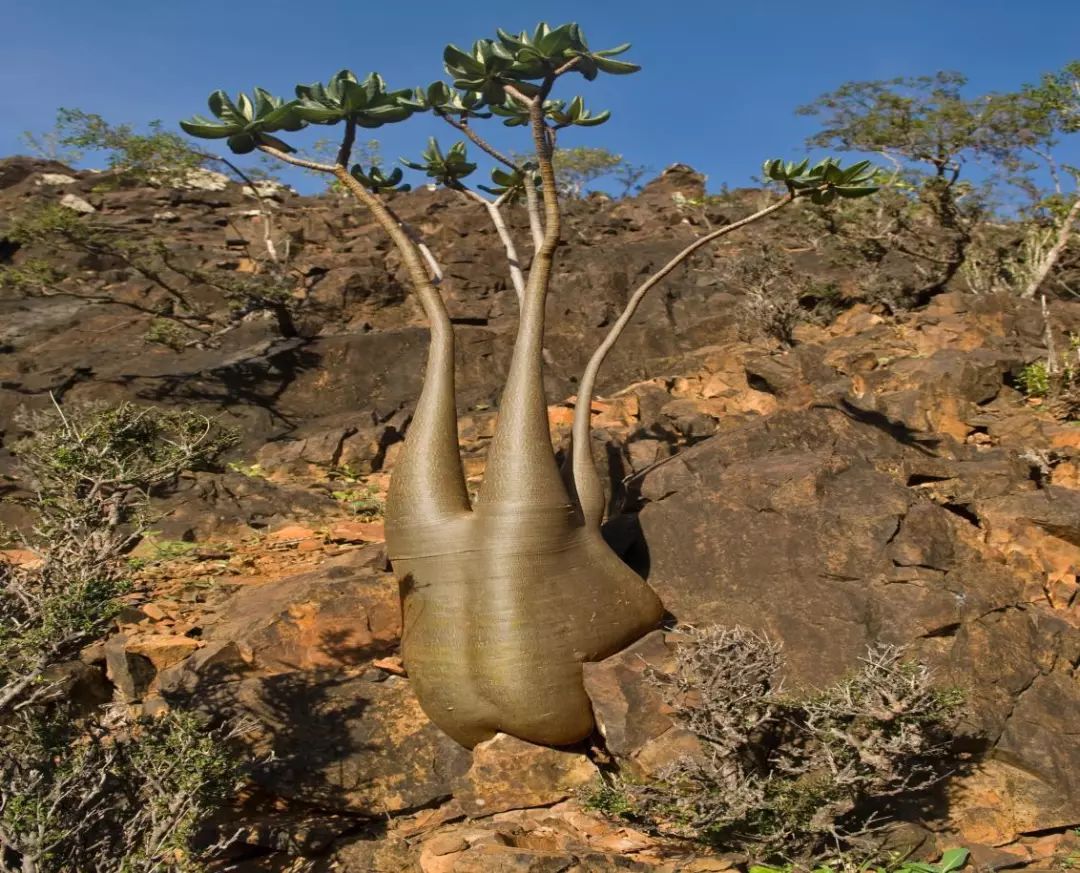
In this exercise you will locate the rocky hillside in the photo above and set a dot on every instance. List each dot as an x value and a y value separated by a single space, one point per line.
882 480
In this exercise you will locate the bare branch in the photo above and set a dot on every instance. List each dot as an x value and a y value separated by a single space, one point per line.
586 480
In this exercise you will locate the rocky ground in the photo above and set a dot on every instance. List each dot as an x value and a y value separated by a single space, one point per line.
882 480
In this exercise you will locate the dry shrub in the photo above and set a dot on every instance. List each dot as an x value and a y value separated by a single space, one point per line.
791 775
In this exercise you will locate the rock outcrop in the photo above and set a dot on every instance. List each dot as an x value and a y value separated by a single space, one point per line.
881 481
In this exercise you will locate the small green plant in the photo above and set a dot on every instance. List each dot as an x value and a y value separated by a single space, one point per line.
109 793
608 798
364 502
164 332
252 471
168 550
1034 379
953 859
85 788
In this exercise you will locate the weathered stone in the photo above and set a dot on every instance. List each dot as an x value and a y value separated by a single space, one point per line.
218 661
343 614
55 179
508 773
357 532
130 673
829 544
629 709
77 204
161 650
359 744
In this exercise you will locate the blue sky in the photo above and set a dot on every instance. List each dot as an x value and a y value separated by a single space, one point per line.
720 83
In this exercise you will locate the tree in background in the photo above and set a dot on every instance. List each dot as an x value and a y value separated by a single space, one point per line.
930 132
927 131
577 167
1047 113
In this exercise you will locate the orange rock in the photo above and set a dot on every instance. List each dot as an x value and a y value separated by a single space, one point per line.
162 650
358 532
393 664
1064 437
560 416
292 533
20 558
153 612
1067 475
508 773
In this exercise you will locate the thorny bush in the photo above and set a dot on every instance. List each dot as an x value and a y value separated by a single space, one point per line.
789 775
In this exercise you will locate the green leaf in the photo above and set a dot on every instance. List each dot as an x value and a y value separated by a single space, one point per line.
318 113
246 108
594 120
274 142
618 68
205 129
242 144
953 859
265 102
553 44
284 117
455 59
222 106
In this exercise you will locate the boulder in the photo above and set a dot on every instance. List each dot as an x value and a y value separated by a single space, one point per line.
834 529
358 744
508 773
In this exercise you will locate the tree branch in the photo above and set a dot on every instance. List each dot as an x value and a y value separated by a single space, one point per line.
586 481
1062 240
479 140
297 162
492 208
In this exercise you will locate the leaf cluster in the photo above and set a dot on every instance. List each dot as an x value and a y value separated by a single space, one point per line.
447 168
824 181
522 59
495 76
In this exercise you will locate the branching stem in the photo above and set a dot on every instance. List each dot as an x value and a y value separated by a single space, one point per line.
586 481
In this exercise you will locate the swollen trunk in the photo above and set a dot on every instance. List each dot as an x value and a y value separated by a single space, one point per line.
504 602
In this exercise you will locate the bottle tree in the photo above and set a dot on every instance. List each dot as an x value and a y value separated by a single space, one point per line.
505 597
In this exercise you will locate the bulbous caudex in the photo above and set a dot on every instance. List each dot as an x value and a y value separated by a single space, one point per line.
505 600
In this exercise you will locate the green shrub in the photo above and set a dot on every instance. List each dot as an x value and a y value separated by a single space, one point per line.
96 790
108 793
1034 380
953 859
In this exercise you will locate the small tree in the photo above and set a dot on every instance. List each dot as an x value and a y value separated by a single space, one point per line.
154 157
927 130
1047 112
576 168
503 598
178 320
